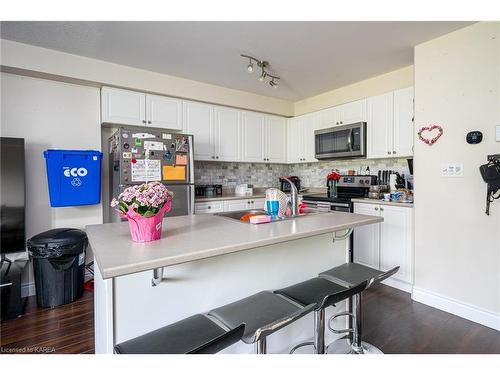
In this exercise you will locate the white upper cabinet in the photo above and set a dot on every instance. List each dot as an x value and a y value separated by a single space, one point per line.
126 107
253 137
163 112
403 122
276 139
310 123
352 112
294 140
198 120
344 114
123 107
227 135
380 126
301 138
390 124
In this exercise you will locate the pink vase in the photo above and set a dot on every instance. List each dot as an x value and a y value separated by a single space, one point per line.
146 229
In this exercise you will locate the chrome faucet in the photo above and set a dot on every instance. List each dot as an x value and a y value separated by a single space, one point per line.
294 194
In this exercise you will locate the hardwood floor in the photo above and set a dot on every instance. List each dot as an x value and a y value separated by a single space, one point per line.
391 320
64 329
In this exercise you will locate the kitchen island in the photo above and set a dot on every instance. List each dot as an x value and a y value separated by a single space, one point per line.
205 261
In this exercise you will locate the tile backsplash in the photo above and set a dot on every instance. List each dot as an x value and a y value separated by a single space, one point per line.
314 174
230 174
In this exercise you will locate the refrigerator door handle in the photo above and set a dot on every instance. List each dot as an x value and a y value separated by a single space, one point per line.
191 200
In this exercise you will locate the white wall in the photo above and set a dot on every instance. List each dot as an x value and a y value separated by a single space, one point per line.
50 114
457 247
397 79
27 59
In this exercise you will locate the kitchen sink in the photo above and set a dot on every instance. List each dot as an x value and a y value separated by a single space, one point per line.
236 215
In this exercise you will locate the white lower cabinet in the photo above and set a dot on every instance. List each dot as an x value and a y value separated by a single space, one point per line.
209 207
229 205
388 244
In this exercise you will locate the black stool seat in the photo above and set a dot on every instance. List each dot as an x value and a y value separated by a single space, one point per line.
311 291
350 274
263 313
196 334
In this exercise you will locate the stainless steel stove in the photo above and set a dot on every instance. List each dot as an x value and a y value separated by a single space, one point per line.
348 187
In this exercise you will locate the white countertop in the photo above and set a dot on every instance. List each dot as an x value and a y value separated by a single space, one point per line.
195 237
382 202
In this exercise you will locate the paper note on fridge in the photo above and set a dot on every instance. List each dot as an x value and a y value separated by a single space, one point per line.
174 172
152 145
146 170
181 159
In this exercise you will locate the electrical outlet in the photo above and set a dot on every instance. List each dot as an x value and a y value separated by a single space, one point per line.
452 170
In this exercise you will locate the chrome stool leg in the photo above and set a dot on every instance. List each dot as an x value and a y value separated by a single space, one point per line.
319 334
357 346
261 346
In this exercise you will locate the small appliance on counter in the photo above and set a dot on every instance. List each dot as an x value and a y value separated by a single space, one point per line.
243 189
285 185
208 190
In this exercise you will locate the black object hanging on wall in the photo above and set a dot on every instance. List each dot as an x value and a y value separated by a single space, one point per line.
491 175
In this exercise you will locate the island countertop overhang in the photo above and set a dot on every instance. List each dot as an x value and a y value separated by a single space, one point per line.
195 237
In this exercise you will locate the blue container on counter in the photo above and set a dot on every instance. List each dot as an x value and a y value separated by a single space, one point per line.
74 177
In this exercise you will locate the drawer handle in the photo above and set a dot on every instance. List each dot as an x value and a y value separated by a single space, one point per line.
209 207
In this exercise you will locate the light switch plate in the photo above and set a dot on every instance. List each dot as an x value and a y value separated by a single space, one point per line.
497 133
452 170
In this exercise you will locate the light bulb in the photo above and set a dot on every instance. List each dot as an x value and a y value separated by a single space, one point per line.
262 76
273 84
250 67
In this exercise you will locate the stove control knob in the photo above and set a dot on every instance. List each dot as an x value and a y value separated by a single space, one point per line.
361 182
367 182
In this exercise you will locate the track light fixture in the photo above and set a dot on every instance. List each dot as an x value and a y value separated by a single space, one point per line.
263 65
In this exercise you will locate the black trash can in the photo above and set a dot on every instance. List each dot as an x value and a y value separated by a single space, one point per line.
59 265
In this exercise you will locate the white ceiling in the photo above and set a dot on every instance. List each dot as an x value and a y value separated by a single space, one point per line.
310 57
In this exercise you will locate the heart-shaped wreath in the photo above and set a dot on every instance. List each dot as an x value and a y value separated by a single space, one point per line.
429 129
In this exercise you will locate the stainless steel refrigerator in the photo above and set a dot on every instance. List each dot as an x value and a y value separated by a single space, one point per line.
139 154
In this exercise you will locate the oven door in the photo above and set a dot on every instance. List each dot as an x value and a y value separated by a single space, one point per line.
340 141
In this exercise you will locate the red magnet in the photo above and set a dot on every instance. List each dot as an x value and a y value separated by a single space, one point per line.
134 161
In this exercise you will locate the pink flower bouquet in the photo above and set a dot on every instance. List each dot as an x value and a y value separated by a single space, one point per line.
144 206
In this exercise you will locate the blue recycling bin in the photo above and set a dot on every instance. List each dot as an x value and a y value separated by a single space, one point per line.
74 177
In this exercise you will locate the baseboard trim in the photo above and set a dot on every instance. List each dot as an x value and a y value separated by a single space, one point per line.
401 285
464 310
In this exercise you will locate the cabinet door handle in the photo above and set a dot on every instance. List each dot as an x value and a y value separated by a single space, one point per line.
388 152
376 208
209 207
213 157
149 122
341 122
394 152
216 157
143 121
381 209
252 202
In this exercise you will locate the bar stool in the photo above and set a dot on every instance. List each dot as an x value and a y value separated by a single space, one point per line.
197 334
263 314
321 293
350 274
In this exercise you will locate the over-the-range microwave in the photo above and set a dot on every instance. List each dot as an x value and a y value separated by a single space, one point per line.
346 141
